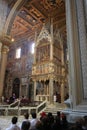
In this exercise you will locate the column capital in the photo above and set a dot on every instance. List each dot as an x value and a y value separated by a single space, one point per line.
5 49
6 40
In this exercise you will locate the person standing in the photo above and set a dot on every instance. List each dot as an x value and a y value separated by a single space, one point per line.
33 121
26 119
14 125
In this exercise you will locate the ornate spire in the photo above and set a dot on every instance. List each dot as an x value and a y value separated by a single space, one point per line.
44 34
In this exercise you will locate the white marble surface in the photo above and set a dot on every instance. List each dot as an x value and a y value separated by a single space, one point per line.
5 121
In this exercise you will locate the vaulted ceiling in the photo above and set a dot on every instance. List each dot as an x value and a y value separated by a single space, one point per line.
34 13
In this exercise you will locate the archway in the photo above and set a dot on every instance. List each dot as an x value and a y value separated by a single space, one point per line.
12 15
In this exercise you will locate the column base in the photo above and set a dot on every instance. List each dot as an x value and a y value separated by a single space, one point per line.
74 114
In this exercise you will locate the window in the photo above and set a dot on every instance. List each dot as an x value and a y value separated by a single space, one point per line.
32 48
18 53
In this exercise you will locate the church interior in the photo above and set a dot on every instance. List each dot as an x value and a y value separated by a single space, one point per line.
35 27
41 52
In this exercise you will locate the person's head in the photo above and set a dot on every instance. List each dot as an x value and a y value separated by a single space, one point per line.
43 114
34 115
13 94
14 120
45 120
85 120
49 114
26 115
39 125
64 118
58 113
25 125
79 122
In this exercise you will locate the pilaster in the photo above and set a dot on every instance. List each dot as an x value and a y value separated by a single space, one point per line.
77 47
6 41
75 71
83 44
3 67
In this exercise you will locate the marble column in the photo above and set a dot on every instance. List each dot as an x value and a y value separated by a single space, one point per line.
51 45
47 89
83 44
0 51
51 90
62 92
3 67
35 85
35 47
51 51
77 47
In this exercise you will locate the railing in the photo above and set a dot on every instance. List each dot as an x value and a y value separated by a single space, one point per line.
15 109
14 104
31 109
5 108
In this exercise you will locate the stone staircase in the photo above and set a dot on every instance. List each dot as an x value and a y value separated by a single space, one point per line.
53 108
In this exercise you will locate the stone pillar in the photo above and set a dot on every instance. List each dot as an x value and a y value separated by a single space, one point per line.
0 51
47 89
35 47
35 85
51 51
77 47
62 92
83 43
51 45
3 67
20 93
51 90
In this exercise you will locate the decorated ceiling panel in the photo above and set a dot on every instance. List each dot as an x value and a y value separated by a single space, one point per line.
34 13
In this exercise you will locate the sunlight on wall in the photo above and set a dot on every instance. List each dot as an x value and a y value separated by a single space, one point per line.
32 48
18 53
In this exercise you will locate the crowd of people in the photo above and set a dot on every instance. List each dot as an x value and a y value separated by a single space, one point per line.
47 122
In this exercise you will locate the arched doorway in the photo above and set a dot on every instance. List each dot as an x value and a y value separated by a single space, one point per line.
16 87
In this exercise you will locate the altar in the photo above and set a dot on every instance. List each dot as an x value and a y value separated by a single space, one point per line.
48 70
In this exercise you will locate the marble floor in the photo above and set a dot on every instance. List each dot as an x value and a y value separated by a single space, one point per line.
5 121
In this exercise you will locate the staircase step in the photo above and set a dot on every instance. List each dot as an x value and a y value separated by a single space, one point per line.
53 108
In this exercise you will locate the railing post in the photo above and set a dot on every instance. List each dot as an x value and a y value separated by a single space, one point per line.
6 112
18 108
36 110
